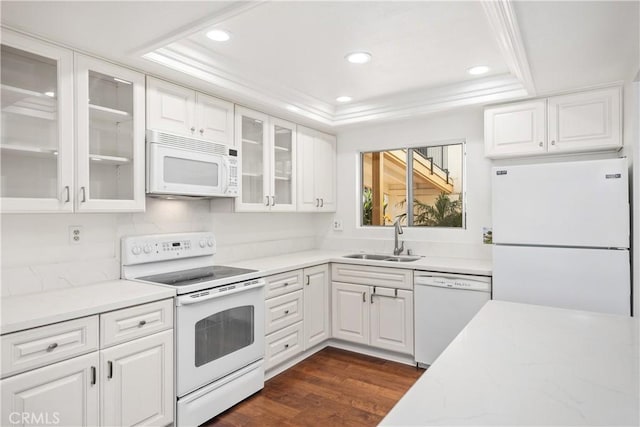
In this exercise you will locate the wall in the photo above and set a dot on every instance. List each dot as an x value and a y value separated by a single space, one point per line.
37 255
462 124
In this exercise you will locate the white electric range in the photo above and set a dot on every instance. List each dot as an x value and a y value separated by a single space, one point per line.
219 320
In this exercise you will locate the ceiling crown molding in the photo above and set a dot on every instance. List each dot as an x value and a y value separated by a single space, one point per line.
182 54
505 27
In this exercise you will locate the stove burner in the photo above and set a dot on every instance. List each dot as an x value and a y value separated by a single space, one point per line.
196 275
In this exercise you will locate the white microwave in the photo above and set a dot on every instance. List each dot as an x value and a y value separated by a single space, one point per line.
181 166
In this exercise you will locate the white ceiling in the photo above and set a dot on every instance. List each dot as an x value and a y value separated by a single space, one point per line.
286 54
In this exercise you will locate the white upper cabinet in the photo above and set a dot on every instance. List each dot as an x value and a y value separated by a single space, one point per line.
267 162
37 126
578 122
316 171
182 111
585 121
110 137
516 129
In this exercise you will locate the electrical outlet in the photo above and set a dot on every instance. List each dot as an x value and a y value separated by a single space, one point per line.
75 234
337 225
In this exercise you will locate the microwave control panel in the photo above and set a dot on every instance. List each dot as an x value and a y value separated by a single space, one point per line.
232 190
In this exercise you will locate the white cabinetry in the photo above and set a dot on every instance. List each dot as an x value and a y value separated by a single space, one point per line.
375 309
316 305
578 122
40 170
516 129
37 126
128 381
297 313
267 162
182 111
316 171
110 137
585 121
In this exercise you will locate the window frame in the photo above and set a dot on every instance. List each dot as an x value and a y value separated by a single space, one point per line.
409 184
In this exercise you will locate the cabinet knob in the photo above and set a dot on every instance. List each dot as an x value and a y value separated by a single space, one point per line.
540 144
553 142
193 128
201 131
52 347
286 346
286 312
142 323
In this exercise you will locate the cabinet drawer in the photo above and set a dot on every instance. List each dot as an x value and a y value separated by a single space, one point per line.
123 325
283 311
283 345
37 347
373 276
283 283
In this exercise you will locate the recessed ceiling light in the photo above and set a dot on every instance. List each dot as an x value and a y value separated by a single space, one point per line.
344 98
358 57
50 94
478 69
293 108
219 35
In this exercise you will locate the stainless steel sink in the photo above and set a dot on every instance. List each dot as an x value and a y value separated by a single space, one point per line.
368 256
378 257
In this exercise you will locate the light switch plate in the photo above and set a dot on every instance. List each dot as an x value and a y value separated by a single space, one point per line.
75 234
337 225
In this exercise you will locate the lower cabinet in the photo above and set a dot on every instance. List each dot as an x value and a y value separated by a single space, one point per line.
64 393
373 315
297 313
137 382
125 384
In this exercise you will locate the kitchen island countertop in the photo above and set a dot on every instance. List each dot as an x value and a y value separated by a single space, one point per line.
519 364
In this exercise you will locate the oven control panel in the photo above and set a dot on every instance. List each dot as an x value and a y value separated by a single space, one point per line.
161 247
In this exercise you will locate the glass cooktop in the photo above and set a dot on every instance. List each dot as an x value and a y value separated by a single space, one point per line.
196 275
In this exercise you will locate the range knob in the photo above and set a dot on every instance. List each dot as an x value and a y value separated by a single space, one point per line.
210 243
203 243
136 250
147 249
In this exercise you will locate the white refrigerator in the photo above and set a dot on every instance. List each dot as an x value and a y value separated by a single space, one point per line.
561 235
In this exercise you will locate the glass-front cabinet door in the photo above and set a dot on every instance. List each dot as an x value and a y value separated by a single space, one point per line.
267 162
110 137
283 138
252 139
36 139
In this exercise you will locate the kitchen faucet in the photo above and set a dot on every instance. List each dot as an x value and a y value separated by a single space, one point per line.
397 231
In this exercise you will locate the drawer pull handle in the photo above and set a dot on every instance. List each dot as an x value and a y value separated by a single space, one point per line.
93 375
286 346
286 312
110 369
142 323
52 347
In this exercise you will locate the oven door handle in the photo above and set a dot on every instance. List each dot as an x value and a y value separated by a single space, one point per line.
188 299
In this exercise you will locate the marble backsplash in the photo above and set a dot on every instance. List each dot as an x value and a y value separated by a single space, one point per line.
38 256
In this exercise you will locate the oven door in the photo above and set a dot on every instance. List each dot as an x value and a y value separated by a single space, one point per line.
184 172
218 333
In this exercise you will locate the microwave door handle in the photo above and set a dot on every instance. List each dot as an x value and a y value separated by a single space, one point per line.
225 168
188 300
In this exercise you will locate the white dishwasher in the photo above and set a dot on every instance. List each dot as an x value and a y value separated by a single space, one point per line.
443 305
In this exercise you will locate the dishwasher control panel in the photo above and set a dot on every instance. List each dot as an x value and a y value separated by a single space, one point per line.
471 283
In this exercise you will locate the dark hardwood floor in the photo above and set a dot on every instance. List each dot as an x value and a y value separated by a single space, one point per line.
331 388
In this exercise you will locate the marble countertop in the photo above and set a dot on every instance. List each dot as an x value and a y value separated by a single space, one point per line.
292 261
519 364
37 309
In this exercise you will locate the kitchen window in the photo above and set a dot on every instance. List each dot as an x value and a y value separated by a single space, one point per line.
430 177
